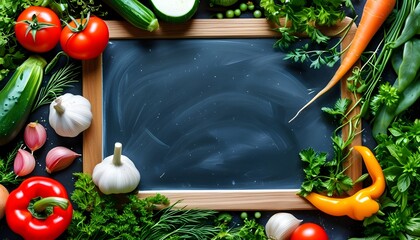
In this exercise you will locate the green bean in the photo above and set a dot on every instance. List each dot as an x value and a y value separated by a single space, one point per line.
411 27
409 96
406 84
396 59
410 64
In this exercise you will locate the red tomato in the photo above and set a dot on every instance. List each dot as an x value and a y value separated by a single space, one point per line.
38 29
309 231
85 42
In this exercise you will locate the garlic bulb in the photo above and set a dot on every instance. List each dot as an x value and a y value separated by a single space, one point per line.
70 115
281 226
116 173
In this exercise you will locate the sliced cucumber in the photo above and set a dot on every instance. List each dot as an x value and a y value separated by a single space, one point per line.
175 11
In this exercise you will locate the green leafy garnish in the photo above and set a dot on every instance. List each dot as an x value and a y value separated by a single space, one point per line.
7 176
325 175
339 110
317 58
248 229
98 216
399 155
61 79
303 17
387 95
11 54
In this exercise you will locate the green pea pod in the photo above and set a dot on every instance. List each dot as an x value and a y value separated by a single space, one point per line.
382 120
410 95
410 64
396 59
411 27
386 115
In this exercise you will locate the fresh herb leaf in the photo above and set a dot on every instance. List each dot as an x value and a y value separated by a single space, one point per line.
7 176
11 54
340 108
180 224
327 175
399 156
61 79
303 17
98 216
229 230
387 95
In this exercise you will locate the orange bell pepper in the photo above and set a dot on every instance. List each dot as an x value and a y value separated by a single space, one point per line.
360 205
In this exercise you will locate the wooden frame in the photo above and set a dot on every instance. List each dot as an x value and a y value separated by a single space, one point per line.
271 199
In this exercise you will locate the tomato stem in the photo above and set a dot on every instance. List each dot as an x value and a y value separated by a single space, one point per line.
35 25
80 25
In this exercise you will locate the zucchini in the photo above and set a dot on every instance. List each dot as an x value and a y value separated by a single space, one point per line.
175 11
135 13
18 96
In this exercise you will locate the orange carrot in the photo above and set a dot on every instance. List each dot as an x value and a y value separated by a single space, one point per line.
374 14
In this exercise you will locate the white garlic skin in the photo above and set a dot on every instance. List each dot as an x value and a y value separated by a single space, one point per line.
281 225
70 115
114 176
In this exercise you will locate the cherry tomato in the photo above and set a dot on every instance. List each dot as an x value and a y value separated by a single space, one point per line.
85 39
38 29
309 231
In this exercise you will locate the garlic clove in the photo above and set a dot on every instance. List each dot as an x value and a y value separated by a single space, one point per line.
34 136
281 225
59 158
24 163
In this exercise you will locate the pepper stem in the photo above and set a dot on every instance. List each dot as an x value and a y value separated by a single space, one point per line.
116 159
59 106
41 208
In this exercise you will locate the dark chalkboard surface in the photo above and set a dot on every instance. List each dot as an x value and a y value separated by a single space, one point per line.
206 117
211 113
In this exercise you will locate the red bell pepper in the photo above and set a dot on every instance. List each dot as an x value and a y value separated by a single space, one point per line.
39 209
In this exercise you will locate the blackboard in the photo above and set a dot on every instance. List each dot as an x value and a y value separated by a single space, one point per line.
210 114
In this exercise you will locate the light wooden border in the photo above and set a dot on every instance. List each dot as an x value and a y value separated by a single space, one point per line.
269 199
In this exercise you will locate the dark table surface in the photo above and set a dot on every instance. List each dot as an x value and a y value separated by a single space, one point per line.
336 227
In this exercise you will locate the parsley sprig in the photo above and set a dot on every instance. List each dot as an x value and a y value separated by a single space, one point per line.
324 174
317 58
303 16
250 228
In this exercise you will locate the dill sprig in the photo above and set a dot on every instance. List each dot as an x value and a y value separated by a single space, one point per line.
61 79
7 176
181 224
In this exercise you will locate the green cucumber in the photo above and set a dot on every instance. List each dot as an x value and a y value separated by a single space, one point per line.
175 11
135 13
18 96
